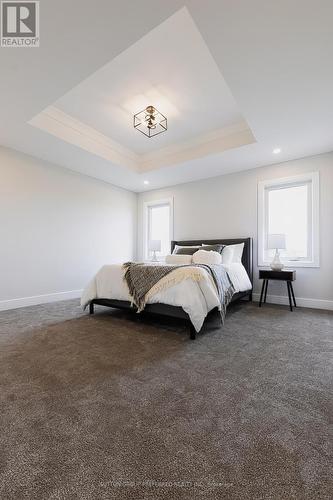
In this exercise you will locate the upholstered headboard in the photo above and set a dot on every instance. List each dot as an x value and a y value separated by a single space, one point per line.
247 253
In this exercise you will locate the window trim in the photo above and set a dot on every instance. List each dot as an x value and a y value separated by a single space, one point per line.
313 178
146 206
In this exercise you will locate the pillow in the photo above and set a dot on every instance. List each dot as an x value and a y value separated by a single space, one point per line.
215 248
232 254
178 259
206 257
185 250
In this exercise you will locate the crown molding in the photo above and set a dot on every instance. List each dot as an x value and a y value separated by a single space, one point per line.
73 131
69 129
214 142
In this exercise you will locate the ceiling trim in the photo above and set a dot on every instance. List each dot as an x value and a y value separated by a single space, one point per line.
73 131
66 127
216 141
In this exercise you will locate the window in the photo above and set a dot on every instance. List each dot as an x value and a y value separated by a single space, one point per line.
158 226
290 206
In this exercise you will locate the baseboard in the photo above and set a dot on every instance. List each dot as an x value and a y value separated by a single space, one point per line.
74 294
301 302
38 299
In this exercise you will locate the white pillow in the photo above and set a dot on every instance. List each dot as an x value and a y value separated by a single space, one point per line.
232 254
178 259
206 257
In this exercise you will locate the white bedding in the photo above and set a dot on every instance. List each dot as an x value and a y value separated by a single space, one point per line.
197 298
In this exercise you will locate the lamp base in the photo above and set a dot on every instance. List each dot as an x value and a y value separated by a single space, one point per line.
276 264
154 258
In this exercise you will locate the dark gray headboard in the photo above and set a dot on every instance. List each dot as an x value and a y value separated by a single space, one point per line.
247 253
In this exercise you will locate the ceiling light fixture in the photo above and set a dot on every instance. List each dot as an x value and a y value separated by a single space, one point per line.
150 122
146 182
276 151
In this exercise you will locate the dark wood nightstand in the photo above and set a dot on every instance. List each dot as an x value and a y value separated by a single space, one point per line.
287 275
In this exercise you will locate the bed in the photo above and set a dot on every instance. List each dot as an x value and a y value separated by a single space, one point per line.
108 289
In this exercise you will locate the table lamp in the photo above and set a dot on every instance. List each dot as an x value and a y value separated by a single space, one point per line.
277 242
154 246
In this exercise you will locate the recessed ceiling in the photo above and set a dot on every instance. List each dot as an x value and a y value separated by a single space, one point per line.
170 68
275 59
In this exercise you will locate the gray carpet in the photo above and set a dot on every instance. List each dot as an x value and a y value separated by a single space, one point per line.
107 407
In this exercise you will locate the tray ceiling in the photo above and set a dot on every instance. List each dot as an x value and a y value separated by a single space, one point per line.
170 68
273 60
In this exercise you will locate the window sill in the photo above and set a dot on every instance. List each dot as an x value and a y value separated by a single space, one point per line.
149 259
292 263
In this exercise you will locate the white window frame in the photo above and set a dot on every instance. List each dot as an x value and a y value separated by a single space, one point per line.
146 206
263 187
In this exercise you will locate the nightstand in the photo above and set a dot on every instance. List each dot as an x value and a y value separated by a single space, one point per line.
287 275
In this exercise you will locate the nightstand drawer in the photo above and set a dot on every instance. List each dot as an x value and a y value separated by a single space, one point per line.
284 275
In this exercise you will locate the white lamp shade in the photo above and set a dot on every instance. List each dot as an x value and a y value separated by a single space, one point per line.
155 245
277 241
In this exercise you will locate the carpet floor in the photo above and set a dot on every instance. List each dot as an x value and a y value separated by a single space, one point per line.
111 407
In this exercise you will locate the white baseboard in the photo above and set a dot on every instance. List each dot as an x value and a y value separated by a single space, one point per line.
75 294
301 302
38 299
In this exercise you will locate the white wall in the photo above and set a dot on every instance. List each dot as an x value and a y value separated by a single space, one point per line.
56 229
226 207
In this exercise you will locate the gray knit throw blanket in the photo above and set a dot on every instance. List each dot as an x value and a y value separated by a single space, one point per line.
140 278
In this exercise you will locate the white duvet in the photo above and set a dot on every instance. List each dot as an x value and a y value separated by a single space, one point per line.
197 298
